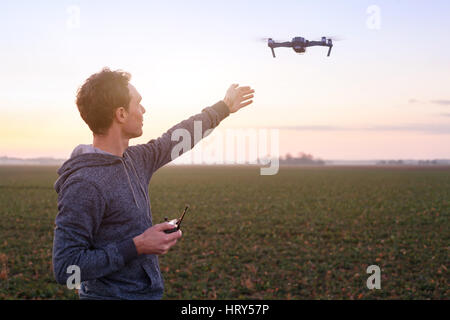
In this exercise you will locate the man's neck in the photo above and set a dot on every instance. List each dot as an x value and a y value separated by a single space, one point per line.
112 143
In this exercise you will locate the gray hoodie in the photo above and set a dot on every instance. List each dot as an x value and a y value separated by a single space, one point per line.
103 203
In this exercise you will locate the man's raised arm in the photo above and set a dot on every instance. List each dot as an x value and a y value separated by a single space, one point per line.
158 152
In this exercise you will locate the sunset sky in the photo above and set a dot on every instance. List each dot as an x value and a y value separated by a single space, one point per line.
383 93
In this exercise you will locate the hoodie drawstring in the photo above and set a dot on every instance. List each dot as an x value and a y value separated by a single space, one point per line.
129 182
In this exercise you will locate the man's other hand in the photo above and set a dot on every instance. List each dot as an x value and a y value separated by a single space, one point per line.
155 241
238 97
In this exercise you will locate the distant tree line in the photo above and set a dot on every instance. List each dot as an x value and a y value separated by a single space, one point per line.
302 159
416 162
390 162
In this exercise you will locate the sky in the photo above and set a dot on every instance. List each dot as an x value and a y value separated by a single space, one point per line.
382 94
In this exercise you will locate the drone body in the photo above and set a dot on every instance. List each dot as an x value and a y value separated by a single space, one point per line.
299 44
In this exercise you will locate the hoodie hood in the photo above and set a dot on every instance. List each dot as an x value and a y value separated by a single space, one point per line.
86 155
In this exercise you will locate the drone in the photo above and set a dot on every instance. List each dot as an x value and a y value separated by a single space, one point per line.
300 44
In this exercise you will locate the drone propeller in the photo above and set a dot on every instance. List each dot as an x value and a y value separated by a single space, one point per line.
267 39
333 38
336 38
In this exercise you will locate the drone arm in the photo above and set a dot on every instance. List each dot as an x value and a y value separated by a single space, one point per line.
316 43
313 43
329 51
287 44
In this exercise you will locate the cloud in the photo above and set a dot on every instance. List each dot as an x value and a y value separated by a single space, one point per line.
441 102
445 114
425 128
313 128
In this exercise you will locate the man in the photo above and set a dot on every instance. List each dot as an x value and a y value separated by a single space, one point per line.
104 222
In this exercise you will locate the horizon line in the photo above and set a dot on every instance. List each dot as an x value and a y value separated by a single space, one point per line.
5 157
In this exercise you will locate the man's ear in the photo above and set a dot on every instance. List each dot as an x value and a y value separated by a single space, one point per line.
121 114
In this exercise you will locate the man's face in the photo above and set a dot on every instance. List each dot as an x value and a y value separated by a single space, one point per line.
135 120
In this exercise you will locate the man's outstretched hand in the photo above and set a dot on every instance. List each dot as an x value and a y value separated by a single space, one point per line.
238 97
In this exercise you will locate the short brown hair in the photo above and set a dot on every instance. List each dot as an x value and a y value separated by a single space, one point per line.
100 95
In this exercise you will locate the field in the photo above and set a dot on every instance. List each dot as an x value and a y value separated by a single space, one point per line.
305 233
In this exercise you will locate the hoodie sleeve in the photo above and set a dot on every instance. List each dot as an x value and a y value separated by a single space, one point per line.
80 210
158 152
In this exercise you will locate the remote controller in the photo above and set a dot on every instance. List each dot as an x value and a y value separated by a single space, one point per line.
176 222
